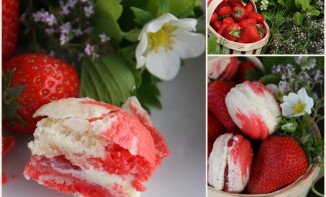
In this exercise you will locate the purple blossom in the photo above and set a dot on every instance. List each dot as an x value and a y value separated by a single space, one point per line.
45 17
65 28
298 59
104 38
50 31
88 30
72 3
63 39
77 32
65 9
89 10
318 75
89 49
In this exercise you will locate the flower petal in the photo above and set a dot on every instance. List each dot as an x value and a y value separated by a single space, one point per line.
188 24
141 48
164 65
188 44
156 24
286 109
292 98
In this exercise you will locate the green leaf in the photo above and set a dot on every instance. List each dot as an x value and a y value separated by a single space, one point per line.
132 35
298 18
107 79
253 75
303 4
314 12
141 16
106 14
270 78
211 45
148 93
183 8
163 7
281 2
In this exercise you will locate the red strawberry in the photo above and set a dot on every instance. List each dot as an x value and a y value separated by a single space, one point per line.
232 32
213 18
239 13
228 20
249 8
217 25
230 70
259 18
224 11
250 34
215 128
221 29
32 80
243 68
245 22
234 3
279 162
10 14
217 91
7 144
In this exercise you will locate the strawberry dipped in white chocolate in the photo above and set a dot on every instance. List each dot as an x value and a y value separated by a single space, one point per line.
254 109
229 163
91 149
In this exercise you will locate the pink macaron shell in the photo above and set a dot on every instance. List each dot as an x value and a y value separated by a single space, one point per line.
254 109
239 164
126 131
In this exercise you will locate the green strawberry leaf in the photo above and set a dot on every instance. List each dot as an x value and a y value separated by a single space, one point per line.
141 16
148 93
108 79
298 18
253 75
132 35
270 79
10 105
106 14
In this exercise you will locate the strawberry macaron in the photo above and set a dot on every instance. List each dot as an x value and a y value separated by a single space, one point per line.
229 163
254 109
223 68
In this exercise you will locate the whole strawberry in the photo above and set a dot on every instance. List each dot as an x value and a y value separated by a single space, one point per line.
10 12
217 91
239 13
213 18
30 81
258 17
214 129
245 22
279 162
232 32
250 34
243 68
249 8
224 11
234 3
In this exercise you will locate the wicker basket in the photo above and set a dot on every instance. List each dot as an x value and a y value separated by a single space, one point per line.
299 188
230 47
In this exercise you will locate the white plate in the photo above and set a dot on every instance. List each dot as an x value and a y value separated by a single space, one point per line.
182 122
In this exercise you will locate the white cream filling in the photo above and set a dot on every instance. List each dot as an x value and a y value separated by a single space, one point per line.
104 179
71 136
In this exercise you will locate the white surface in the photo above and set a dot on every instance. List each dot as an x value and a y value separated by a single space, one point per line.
182 122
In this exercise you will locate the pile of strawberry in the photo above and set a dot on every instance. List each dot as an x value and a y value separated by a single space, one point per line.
278 160
238 23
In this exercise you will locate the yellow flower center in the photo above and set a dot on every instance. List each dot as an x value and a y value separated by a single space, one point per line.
298 107
161 38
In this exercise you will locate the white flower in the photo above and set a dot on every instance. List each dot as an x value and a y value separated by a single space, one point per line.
166 39
297 104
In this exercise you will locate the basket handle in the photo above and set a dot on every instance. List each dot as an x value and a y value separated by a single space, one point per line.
313 189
